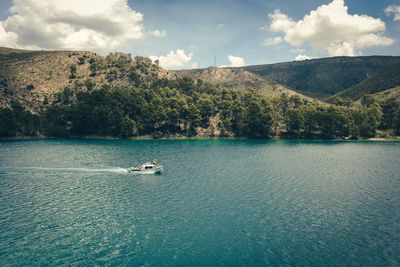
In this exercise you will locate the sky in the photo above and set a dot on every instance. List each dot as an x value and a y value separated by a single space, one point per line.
190 33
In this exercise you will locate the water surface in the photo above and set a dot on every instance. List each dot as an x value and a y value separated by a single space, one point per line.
219 203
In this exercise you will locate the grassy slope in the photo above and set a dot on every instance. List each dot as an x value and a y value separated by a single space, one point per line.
323 77
389 93
238 79
383 80
49 73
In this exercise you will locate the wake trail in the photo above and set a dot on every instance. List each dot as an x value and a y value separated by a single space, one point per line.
88 170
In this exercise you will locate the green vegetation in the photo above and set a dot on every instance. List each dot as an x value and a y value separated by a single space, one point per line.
72 69
185 107
18 121
325 77
121 96
385 79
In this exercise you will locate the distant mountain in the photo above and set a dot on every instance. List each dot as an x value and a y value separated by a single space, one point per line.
385 79
35 77
318 78
81 93
323 77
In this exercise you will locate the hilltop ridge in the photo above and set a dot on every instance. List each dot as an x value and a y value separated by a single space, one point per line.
81 93
32 77
318 78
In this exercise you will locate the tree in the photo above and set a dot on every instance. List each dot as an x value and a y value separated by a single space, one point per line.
81 60
340 101
397 122
374 112
310 114
295 101
294 121
90 84
128 127
55 121
72 69
7 122
206 108
389 109
238 117
30 87
258 118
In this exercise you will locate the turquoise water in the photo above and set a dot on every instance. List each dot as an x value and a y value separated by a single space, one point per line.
219 203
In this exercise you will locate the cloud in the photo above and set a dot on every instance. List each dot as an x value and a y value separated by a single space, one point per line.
158 33
174 59
332 29
302 57
395 10
101 25
7 38
272 41
236 61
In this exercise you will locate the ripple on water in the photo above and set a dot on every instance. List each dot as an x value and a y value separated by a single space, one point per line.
219 203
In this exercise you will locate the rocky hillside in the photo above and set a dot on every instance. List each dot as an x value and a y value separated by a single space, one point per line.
64 94
34 77
317 78
238 79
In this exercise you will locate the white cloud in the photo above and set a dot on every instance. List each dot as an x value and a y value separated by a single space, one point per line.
158 33
302 57
236 61
7 38
174 59
272 41
332 29
195 65
395 10
101 25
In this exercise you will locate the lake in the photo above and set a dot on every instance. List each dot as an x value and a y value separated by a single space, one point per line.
218 203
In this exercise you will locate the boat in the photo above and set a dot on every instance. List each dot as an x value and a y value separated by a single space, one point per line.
146 168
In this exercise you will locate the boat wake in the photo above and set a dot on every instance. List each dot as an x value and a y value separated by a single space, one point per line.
88 170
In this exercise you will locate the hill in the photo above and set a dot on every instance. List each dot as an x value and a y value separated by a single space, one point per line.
385 79
325 76
34 77
389 93
238 79
64 93
317 78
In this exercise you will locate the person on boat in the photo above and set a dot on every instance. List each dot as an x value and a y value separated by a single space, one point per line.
155 162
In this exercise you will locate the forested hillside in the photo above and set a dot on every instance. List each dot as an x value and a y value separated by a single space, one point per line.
120 96
326 76
385 79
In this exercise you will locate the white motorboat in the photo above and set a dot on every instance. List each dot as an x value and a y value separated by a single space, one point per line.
146 168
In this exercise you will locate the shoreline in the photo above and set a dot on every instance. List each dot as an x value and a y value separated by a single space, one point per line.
174 137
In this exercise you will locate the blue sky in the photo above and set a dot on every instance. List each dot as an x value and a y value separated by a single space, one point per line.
202 29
